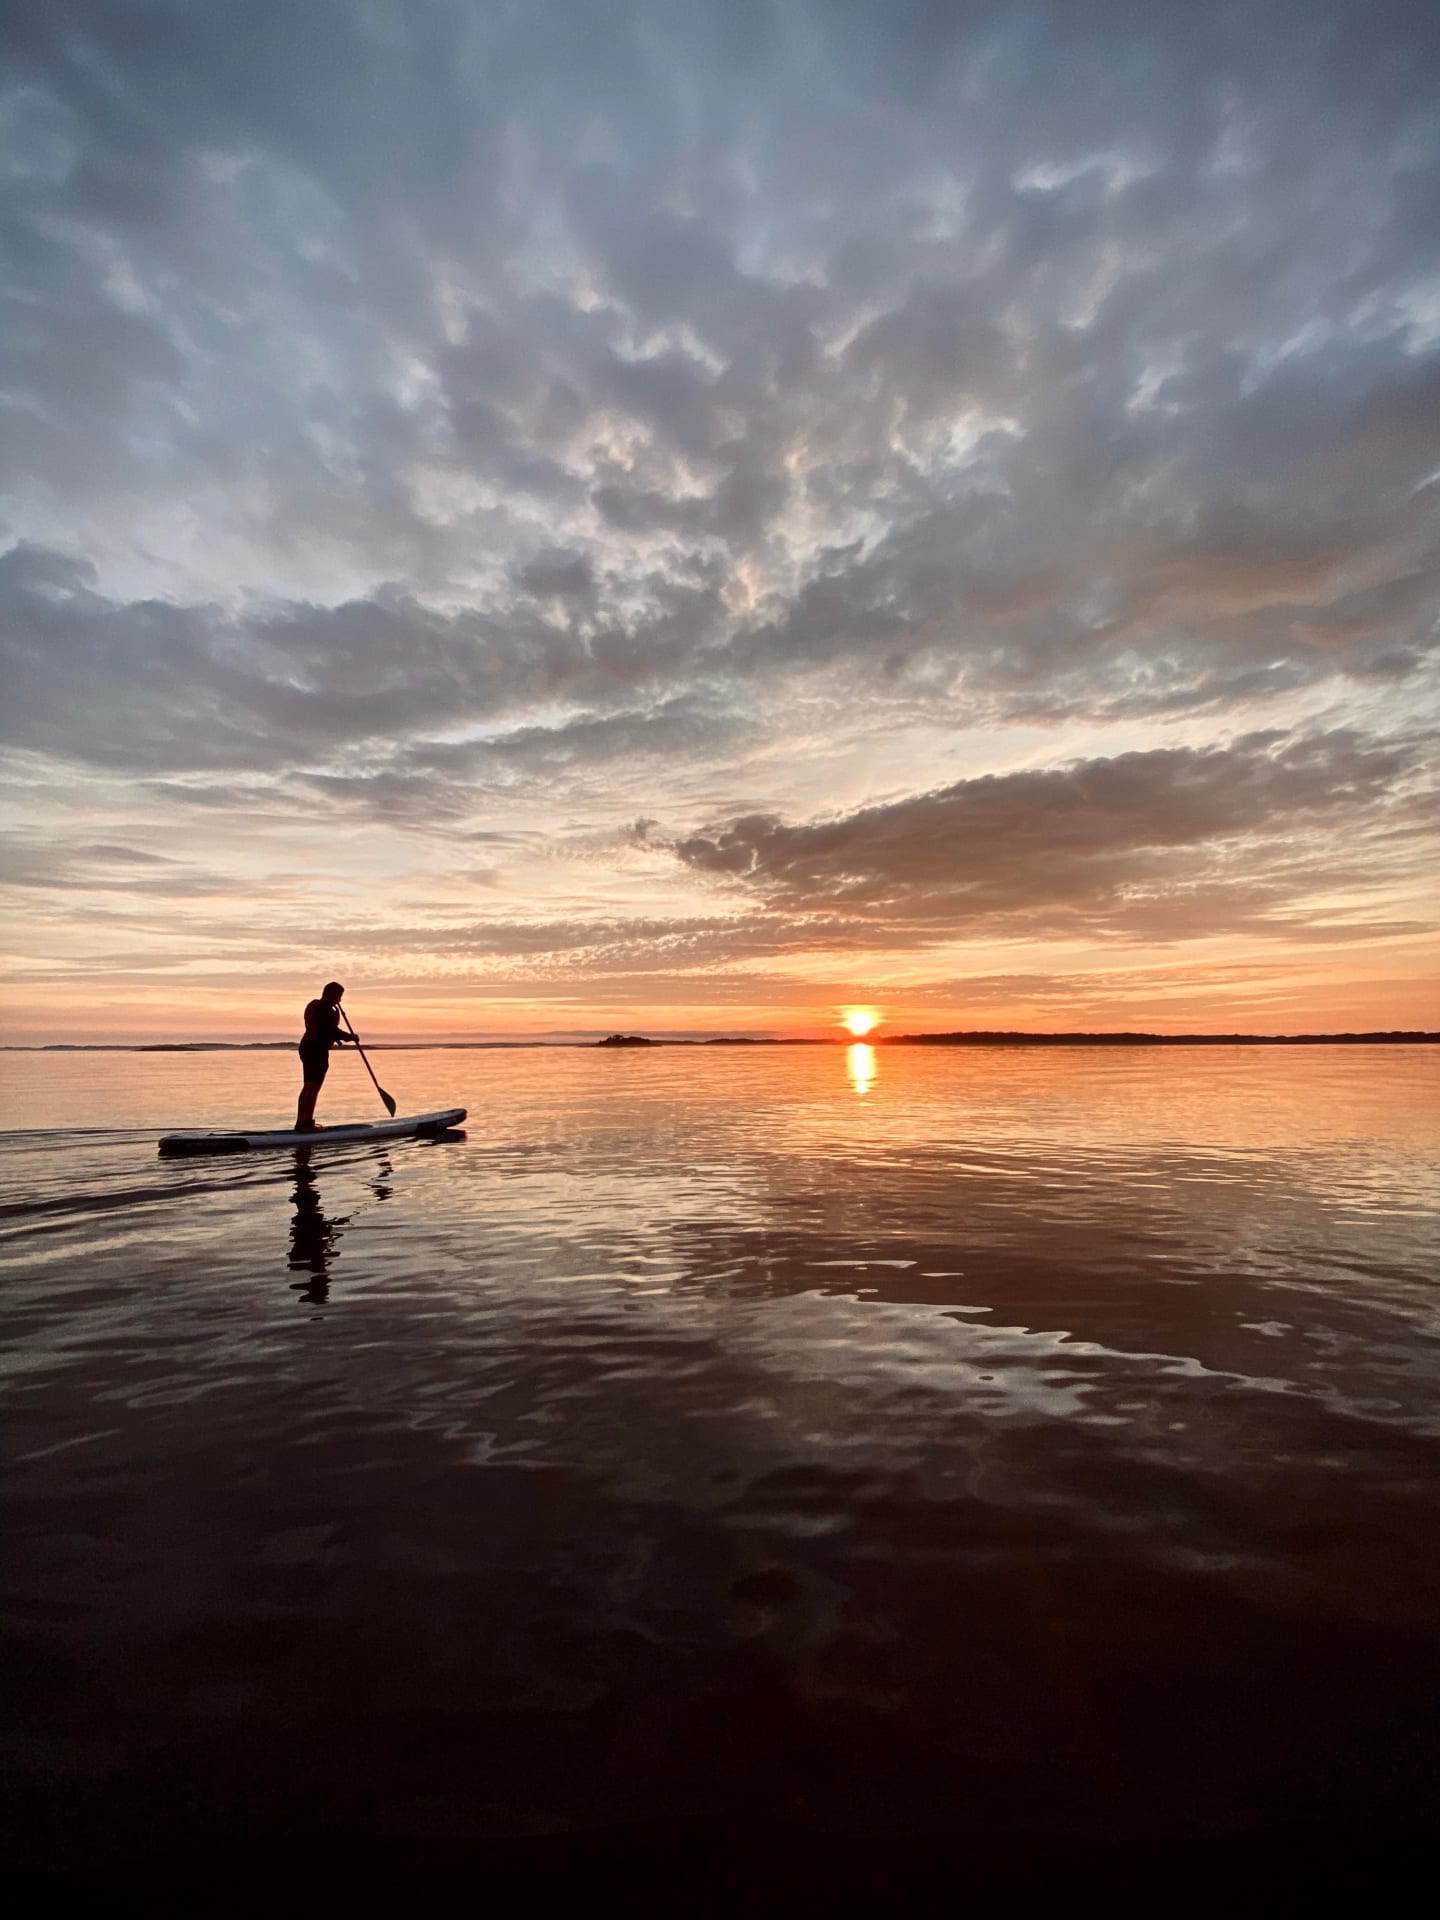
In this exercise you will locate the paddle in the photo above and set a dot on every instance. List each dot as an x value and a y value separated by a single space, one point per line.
389 1102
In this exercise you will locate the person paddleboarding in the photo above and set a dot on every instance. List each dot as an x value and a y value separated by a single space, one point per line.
322 1032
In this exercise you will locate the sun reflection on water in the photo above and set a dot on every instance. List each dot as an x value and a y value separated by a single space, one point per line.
861 1067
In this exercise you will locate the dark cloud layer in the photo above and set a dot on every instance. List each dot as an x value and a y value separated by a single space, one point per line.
1108 335
1173 842
158 687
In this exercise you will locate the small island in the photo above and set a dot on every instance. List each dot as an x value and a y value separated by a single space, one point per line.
625 1040
977 1038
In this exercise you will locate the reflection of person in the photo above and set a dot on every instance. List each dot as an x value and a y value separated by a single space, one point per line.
312 1234
322 1032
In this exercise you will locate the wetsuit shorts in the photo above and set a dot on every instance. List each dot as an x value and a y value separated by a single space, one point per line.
315 1060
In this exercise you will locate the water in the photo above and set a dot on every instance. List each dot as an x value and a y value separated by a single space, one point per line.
767 1472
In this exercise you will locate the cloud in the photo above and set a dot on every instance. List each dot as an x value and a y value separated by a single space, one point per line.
1172 842
51 863
435 782
1154 264
558 575
155 687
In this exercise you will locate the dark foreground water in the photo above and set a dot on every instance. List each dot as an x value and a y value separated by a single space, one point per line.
727 1480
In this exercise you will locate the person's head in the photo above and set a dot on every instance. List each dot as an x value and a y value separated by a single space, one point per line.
332 993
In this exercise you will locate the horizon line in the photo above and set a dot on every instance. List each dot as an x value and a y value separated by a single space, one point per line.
978 1036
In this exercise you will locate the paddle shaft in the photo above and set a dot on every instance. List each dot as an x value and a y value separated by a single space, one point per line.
389 1102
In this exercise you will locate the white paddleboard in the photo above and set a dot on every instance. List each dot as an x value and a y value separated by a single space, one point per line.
322 1137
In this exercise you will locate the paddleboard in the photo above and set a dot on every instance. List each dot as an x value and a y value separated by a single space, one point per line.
322 1137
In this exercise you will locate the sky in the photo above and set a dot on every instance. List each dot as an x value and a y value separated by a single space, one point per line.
688 517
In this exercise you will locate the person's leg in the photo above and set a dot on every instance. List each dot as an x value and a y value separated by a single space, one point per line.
305 1111
314 1065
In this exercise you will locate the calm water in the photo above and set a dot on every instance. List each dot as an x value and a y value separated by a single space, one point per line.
789 1470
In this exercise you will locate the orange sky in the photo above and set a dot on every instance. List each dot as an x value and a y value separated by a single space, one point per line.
1393 992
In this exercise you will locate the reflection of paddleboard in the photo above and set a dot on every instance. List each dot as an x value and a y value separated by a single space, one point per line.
361 1130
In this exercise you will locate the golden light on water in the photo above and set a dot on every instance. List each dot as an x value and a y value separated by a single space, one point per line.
860 1065
859 1020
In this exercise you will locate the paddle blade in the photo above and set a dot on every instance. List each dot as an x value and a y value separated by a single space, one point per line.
388 1098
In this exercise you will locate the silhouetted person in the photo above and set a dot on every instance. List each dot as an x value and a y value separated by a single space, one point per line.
322 1032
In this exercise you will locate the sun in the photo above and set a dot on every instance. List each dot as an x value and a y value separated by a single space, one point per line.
859 1021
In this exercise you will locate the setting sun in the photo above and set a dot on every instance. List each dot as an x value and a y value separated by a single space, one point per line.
859 1021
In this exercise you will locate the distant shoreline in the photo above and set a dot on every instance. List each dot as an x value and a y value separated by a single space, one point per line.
625 1042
